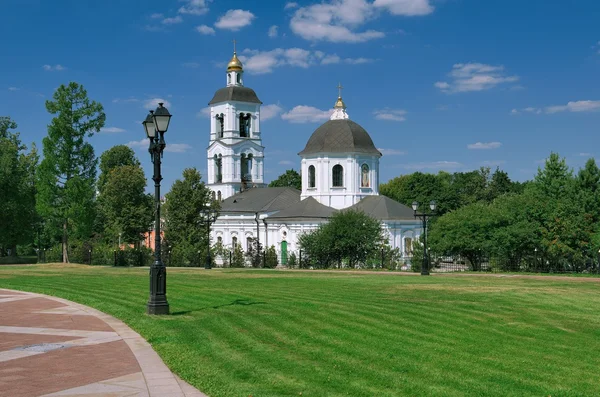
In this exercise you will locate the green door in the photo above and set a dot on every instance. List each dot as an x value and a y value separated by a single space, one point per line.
284 252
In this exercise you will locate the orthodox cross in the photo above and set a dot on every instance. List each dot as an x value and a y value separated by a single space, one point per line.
339 87
234 46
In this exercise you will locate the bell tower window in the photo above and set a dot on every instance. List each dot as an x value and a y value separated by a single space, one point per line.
239 78
311 177
218 168
228 78
338 176
220 124
245 125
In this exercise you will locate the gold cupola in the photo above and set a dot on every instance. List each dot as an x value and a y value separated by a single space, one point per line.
234 65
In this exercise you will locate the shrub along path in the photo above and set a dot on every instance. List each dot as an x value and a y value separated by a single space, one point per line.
287 333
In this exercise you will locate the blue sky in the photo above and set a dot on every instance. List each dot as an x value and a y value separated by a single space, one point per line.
439 84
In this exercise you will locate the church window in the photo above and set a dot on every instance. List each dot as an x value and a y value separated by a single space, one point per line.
214 196
338 176
311 176
249 241
245 125
219 240
219 195
220 124
218 168
234 242
246 167
407 245
229 78
239 78
364 176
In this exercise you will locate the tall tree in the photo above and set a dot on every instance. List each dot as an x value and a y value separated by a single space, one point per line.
291 178
67 175
114 157
17 188
126 208
184 230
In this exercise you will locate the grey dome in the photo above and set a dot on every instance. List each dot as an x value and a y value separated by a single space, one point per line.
340 136
235 93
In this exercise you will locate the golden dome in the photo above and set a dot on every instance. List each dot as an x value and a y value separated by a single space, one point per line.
339 104
235 64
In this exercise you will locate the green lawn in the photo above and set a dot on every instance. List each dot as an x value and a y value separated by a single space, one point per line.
288 333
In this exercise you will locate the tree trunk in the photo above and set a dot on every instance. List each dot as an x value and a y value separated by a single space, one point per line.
65 244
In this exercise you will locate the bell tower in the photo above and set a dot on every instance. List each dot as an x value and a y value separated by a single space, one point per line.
235 152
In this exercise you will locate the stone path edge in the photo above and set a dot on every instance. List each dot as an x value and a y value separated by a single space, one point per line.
152 366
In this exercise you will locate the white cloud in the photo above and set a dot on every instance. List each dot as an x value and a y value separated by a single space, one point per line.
286 162
153 103
290 4
55 68
143 144
172 21
13 88
177 147
340 20
577 106
204 29
205 112
194 7
171 147
405 7
306 114
390 114
391 152
486 145
235 20
434 165
273 31
111 129
468 77
260 62
125 100
573 106
157 15
269 111
585 154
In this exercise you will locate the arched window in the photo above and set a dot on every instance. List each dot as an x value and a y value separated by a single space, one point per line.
408 245
214 196
219 240
220 124
246 167
364 176
228 78
245 125
338 176
218 168
234 242
219 195
311 176
239 78
249 241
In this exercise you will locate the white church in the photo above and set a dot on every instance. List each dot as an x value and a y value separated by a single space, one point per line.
339 167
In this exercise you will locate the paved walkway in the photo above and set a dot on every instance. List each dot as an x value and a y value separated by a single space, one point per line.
52 347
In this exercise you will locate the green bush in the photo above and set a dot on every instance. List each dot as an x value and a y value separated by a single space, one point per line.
292 261
237 258
271 260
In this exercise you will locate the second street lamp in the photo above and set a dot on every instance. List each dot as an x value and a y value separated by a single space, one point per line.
155 125
209 215
424 216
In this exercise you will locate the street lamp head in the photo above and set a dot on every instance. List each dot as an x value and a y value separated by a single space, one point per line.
535 249
149 125
432 205
162 117
415 205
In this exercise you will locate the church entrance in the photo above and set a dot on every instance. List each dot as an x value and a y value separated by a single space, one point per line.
284 255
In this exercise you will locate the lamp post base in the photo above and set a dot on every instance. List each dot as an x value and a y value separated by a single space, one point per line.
157 304
158 307
425 273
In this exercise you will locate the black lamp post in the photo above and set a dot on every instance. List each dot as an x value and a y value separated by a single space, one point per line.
424 217
157 122
209 215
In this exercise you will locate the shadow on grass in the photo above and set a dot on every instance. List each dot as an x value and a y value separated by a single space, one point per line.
237 302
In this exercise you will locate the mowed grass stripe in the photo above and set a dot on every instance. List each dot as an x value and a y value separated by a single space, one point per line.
271 333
